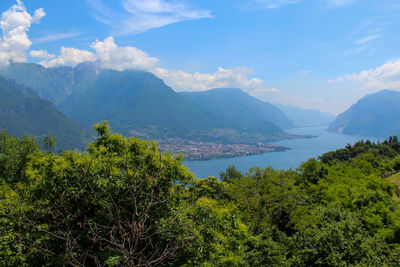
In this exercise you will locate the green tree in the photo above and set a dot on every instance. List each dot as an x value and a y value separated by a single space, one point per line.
49 142
266 197
15 154
230 174
338 239
220 235
117 204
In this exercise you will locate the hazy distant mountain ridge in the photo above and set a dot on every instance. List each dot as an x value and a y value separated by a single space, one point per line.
130 100
374 115
139 103
306 117
22 112
238 105
53 84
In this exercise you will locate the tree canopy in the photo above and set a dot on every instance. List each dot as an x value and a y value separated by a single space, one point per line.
124 203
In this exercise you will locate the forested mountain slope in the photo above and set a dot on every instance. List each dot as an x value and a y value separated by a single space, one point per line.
22 112
238 105
374 115
139 103
53 84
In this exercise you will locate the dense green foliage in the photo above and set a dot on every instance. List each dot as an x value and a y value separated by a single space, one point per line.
123 203
374 115
23 112
238 105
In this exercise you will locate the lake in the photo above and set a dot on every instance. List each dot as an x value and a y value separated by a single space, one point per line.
301 150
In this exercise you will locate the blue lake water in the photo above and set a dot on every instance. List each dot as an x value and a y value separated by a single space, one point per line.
301 150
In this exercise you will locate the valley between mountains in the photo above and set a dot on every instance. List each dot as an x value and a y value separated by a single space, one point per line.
68 101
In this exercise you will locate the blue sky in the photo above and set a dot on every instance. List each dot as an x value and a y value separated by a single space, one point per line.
322 54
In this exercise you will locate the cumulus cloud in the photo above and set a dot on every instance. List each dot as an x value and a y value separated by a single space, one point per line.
235 77
41 54
386 76
223 78
143 15
69 56
111 56
119 58
15 23
106 52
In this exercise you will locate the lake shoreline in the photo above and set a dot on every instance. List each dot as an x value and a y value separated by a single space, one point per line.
300 151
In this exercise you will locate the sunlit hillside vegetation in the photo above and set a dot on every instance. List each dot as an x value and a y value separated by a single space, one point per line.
123 203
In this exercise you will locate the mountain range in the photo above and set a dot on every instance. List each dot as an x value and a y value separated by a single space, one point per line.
306 117
34 100
135 102
22 112
53 84
238 105
140 104
375 115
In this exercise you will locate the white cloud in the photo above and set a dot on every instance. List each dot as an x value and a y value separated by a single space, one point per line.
305 72
143 15
269 4
153 6
41 54
15 23
110 56
119 58
386 76
273 90
366 39
222 78
339 3
272 4
69 56
56 36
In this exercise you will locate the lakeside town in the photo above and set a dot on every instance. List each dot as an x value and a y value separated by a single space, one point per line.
193 150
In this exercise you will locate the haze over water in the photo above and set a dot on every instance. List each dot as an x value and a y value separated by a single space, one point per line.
301 150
